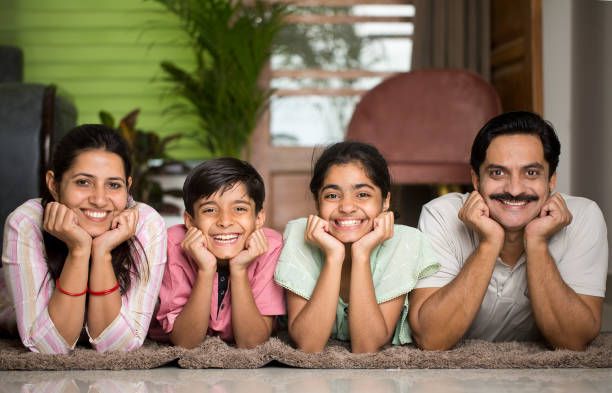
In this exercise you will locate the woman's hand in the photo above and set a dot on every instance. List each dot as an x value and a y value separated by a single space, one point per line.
122 228
256 245
194 244
382 230
317 234
61 222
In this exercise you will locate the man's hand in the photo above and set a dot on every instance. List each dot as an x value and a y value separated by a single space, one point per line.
195 245
61 222
475 214
256 245
552 218
382 230
317 234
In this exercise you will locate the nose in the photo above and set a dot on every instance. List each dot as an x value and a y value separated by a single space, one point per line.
98 196
224 220
514 185
347 205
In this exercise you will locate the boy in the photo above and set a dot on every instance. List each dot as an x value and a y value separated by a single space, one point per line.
219 275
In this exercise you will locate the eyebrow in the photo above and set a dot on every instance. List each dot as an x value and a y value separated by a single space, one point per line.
90 176
214 203
355 187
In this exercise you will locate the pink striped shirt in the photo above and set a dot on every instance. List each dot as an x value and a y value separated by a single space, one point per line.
25 286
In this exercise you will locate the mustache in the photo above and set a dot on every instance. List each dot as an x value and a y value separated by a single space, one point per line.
509 197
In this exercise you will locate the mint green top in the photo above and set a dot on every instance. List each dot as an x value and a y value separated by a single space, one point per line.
397 264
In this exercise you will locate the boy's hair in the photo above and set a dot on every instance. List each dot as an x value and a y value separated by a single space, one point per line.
221 174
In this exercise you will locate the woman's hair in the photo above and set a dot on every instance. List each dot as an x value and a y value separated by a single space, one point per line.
366 155
80 139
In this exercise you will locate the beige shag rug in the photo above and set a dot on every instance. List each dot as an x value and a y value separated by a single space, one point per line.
214 353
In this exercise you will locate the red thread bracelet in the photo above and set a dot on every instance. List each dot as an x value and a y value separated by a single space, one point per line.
101 293
69 293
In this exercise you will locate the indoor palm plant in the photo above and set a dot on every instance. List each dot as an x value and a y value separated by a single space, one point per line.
232 42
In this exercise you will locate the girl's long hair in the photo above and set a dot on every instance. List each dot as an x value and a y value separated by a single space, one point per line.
126 256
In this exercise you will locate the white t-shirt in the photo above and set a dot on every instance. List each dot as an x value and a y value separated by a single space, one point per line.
580 251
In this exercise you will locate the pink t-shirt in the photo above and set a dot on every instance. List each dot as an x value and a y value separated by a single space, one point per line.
180 275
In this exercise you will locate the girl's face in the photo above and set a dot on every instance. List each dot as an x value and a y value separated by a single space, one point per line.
94 187
350 201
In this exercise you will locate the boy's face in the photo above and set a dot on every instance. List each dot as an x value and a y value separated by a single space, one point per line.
227 220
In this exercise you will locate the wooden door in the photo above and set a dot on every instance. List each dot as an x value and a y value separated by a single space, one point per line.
516 53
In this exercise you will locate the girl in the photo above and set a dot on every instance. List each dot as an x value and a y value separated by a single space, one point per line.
349 268
85 254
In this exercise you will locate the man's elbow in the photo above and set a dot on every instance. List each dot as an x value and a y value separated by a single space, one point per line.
428 343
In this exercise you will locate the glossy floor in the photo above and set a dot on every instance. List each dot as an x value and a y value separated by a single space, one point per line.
277 380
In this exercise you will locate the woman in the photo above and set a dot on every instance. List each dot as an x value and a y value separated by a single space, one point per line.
348 269
85 255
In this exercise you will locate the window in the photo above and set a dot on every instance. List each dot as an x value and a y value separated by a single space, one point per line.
332 52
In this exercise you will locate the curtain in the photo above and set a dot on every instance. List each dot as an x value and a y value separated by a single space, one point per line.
452 34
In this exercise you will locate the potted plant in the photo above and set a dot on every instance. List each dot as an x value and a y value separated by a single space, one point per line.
232 42
148 158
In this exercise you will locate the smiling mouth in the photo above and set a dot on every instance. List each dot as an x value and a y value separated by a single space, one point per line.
225 238
95 215
510 200
348 223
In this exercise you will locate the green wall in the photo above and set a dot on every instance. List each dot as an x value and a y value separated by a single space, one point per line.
104 55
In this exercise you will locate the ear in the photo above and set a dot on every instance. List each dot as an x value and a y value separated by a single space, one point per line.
552 182
387 202
475 180
129 183
52 185
260 219
189 221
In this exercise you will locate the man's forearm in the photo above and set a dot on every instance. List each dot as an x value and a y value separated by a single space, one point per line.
563 317
444 317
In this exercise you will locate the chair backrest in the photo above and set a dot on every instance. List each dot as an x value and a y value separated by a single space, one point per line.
424 122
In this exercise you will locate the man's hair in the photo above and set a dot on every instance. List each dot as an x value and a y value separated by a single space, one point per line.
221 174
512 123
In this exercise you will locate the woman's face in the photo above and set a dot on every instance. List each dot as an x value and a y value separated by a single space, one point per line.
94 187
350 201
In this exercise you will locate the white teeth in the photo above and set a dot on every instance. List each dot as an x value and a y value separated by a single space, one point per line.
93 214
514 203
348 223
225 238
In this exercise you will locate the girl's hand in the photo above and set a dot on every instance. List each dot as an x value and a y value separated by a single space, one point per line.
63 223
195 245
256 245
123 227
382 230
317 234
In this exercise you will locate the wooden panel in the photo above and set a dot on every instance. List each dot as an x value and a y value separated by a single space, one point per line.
290 198
516 53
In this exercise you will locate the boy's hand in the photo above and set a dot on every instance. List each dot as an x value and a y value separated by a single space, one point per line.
382 230
317 234
123 227
63 223
256 245
195 245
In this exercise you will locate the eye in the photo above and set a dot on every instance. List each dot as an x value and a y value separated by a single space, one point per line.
363 195
331 196
532 173
208 210
496 172
82 182
241 209
115 185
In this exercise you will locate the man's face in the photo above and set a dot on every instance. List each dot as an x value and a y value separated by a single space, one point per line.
514 180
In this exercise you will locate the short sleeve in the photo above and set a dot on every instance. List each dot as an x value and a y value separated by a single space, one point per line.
300 263
438 221
584 263
268 295
177 280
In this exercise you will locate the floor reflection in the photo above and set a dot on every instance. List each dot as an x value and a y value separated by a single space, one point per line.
278 380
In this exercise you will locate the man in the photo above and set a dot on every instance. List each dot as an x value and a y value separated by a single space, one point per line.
519 262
